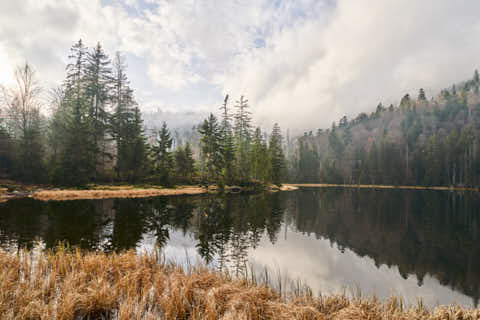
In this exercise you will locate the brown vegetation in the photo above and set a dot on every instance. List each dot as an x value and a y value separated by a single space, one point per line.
111 192
76 285
46 193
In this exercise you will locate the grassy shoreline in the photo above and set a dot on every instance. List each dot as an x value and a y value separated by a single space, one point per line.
373 186
81 285
10 190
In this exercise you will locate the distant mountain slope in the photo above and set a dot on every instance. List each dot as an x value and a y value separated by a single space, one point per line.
419 141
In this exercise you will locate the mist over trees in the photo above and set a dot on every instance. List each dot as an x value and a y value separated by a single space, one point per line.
91 131
420 141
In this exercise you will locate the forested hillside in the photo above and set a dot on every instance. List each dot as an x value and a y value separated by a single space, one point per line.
90 130
420 141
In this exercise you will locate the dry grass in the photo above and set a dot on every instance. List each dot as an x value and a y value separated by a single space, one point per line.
374 186
76 285
4 195
112 192
288 187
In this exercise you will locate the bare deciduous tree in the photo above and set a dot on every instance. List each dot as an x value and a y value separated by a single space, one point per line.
22 102
23 105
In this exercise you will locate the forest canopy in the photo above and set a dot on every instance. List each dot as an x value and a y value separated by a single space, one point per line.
91 130
94 133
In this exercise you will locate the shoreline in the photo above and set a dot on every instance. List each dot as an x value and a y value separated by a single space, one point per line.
118 191
68 284
91 194
375 186
48 193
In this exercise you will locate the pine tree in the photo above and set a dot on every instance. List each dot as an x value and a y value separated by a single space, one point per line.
76 167
184 163
276 155
189 161
127 126
260 160
228 148
476 82
136 154
98 77
211 147
405 103
243 120
163 155
242 139
421 95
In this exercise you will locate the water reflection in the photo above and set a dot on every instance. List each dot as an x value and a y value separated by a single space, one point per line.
409 242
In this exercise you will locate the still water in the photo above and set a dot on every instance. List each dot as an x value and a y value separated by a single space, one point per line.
383 242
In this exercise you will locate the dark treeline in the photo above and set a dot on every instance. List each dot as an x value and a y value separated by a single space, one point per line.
419 142
94 133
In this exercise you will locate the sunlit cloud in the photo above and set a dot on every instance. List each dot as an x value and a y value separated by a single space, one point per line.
302 63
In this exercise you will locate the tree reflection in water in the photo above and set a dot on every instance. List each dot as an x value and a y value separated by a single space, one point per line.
421 232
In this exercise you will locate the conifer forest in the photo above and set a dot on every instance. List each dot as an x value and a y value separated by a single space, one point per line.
90 130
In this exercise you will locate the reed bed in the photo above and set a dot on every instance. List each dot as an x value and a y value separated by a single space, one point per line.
85 285
379 186
114 193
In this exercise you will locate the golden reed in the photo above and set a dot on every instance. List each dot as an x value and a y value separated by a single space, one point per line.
84 285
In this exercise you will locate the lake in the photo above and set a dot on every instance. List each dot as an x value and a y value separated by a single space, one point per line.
383 242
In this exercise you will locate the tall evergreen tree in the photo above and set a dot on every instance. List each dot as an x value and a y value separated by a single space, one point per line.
227 143
127 126
260 160
98 77
405 103
163 155
421 95
76 166
184 163
211 147
242 139
476 82
276 155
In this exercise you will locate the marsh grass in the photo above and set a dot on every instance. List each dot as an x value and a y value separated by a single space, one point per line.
375 186
115 192
71 284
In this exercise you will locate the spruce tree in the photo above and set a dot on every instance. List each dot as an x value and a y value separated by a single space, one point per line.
136 151
260 160
421 95
228 147
242 139
76 166
211 148
98 77
276 155
184 163
127 126
405 103
476 81
163 155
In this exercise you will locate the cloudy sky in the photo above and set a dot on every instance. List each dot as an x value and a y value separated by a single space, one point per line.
302 63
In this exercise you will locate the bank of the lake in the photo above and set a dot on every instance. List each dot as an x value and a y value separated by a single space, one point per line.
380 186
10 190
88 285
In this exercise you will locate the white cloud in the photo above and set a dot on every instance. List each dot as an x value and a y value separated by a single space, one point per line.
301 63
369 51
